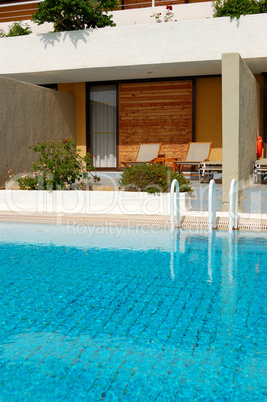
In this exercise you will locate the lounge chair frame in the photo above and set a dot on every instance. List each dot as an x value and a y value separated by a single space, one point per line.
207 170
195 162
260 170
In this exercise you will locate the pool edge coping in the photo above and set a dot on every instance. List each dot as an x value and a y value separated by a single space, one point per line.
161 221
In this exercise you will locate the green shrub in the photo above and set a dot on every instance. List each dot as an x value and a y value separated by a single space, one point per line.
236 8
16 29
151 179
59 167
28 181
71 15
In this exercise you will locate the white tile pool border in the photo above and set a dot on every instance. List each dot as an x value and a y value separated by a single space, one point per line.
192 222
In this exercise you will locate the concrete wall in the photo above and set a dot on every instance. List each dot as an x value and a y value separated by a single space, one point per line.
241 110
29 114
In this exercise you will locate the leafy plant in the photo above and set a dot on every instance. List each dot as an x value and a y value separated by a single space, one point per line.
71 15
236 8
59 167
28 181
151 179
16 29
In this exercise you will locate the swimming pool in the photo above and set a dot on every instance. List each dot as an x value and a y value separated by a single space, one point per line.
108 314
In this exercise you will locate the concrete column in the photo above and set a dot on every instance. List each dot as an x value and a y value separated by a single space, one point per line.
240 124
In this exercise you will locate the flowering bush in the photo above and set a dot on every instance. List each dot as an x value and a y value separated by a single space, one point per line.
28 181
59 167
168 15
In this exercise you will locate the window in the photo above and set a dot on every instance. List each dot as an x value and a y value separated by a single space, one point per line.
102 125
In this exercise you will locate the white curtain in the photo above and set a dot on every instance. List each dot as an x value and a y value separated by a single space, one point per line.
103 125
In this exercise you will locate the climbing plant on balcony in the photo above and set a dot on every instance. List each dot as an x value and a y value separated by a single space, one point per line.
236 8
71 15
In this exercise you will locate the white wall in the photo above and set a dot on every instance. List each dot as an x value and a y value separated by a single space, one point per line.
89 202
140 51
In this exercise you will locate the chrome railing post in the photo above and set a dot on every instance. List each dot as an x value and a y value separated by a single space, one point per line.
175 184
212 205
233 205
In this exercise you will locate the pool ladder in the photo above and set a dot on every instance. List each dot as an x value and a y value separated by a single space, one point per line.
212 206
233 201
175 185
232 206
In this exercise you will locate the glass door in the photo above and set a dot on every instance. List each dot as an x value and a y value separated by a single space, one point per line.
103 123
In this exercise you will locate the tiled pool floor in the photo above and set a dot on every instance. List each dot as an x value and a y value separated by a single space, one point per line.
186 321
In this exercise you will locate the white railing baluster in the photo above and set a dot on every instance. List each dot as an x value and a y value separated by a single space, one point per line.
233 205
212 206
175 184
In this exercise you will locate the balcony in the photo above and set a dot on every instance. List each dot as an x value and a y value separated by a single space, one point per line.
174 49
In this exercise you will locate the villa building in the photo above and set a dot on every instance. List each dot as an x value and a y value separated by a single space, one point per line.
195 78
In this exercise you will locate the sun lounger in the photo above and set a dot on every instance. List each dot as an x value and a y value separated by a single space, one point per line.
146 154
207 170
197 152
260 170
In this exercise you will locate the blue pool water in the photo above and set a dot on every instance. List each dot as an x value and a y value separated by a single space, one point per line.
99 314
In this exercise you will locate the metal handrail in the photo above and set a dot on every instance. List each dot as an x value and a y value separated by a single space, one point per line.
233 201
212 206
175 184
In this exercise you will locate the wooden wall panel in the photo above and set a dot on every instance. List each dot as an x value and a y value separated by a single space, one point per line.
155 112
21 11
